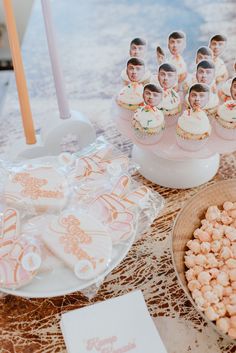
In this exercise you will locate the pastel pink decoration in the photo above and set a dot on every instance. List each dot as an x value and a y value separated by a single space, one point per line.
10 230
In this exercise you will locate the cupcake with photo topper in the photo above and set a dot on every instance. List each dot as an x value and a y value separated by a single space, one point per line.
171 104
205 74
129 99
225 122
193 127
176 46
148 121
217 44
203 53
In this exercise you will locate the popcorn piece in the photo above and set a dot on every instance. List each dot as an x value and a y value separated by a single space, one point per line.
200 260
220 308
211 297
213 214
231 263
211 314
231 309
227 291
232 298
194 245
228 205
218 290
196 293
204 277
223 324
190 274
232 321
194 284
214 272
197 269
205 247
216 246
225 253
232 332
223 278
190 261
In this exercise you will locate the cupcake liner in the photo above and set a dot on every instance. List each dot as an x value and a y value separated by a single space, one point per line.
190 145
223 132
147 139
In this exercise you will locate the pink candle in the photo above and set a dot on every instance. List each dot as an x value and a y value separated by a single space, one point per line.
55 62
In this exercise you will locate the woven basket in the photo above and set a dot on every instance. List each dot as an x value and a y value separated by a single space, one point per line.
189 219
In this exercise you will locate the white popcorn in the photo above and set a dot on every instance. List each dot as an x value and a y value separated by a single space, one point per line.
204 277
211 314
194 284
223 278
223 324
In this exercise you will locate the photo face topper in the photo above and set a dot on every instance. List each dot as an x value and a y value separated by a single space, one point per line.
176 43
137 51
233 89
151 97
206 76
135 72
198 100
167 79
217 44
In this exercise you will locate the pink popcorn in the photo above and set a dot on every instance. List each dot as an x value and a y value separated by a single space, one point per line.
216 246
220 308
190 274
228 205
206 288
197 269
194 284
196 293
217 234
214 272
200 260
225 253
231 263
211 261
223 324
211 314
205 247
231 309
226 242
190 261
204 277
223 278
213 213
211 297
218 290
194 245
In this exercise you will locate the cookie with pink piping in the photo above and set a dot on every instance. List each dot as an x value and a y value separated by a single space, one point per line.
80 241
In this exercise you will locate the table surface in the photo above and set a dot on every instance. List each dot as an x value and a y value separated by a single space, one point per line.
93 38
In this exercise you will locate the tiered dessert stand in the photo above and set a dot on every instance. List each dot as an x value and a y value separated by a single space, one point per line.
166 164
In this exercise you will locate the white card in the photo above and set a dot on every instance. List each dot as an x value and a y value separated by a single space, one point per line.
118 325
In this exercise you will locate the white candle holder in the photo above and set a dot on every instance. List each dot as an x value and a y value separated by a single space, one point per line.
57 136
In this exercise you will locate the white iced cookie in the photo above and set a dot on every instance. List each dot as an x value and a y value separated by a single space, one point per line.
80 241
42 189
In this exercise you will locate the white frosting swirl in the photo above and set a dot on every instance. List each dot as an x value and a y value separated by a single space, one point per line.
170 100
194 122
131 94
227 111
149 117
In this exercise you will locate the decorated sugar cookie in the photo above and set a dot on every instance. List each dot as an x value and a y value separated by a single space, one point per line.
42 189
80 241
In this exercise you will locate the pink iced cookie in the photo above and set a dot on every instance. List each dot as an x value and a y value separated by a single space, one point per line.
20 265
10 230
80 241
113 212
42 189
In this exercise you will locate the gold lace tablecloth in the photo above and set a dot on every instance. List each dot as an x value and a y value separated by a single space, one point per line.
32 325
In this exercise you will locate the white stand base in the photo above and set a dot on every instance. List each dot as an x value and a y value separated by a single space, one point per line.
77 131
180 174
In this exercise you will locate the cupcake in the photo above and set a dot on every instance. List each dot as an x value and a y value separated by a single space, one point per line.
205 74
217 44
148 121
171 103
176 46
148 124
193 127
225 122
129 99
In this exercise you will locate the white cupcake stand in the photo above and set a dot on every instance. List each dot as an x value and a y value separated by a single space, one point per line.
166 164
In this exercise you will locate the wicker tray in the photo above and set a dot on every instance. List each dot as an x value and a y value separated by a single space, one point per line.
189 219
